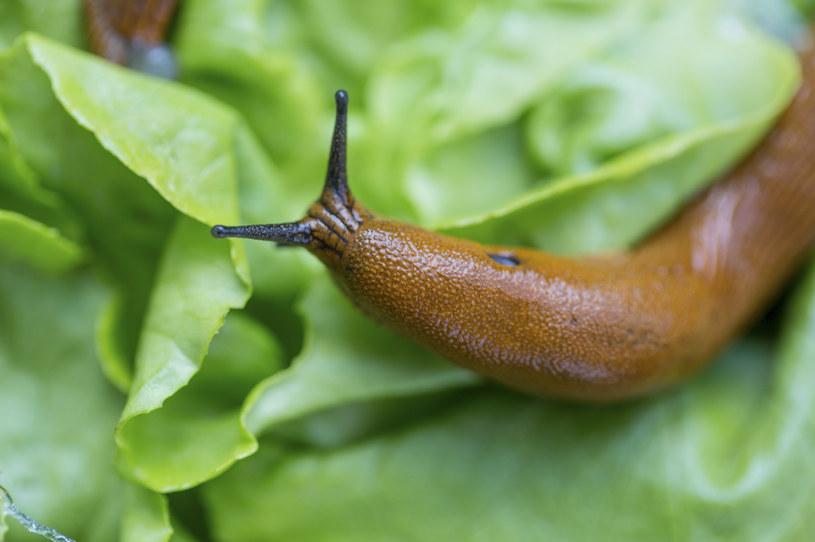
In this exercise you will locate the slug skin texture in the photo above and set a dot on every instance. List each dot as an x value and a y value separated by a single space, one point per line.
591 328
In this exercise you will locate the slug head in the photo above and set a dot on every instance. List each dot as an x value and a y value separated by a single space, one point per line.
331 221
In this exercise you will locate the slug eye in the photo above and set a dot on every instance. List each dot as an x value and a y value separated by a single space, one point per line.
505 259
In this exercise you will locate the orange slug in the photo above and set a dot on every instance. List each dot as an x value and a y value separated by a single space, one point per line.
589 328
131 33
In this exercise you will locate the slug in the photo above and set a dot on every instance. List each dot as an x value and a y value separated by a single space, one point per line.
593 328
131 33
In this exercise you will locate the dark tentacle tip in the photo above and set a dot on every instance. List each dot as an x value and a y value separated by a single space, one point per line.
219 231
157 60
341 97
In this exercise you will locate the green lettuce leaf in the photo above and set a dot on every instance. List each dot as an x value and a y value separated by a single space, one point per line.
24 239
59 19
58 411
193 437
146 517
121 219
690 137
342 363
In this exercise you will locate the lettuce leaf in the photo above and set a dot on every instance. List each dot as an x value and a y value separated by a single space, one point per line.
58 411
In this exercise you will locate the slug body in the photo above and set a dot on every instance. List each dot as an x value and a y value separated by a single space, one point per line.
131 33
592 328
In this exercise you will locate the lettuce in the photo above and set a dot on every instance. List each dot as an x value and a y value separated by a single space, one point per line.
158 384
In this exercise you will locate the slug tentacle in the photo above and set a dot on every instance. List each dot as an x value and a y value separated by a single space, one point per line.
337 205
331 220
290 234
336 177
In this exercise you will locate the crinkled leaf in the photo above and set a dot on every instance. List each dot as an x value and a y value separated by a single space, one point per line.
471 175
633 97
449 82
146 517
176 139
23 239
180 149
350 35
237 61
456 81
120 218
345 359
193 437
20 189
614 204
617 204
